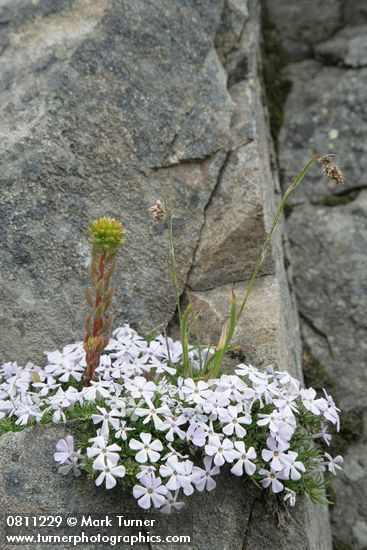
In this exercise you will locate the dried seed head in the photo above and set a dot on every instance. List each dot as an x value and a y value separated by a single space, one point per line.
333 173
330 170
325 159
158 212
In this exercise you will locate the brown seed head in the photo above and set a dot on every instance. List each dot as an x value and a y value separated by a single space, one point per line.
158 212
330 170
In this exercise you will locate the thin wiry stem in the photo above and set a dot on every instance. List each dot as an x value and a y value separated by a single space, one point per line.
215 361
172 254
276 219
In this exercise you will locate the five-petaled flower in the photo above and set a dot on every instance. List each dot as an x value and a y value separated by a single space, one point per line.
147 449
151 491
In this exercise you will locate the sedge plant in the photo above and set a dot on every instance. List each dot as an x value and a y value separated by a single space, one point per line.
212 366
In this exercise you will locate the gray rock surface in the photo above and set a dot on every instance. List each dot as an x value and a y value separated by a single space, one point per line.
234 516
328 251
235 218
105 106
335 315
301 24
262 330
347 48
325 112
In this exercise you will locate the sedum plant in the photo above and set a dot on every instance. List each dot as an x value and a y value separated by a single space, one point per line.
106 237
156 416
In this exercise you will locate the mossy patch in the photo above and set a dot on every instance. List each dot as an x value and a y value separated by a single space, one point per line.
351 430
352 422
315 373
339 544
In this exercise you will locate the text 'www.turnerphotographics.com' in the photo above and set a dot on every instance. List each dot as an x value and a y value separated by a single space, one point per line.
108 529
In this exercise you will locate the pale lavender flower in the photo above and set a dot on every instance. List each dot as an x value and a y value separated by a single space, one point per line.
6 407
179 474
203 478
67 456
65 449
235 389
71 351
66 370
272 419
222 451
70 465
287 404
151 491
97 389
107 418
275 454
25 413
293 467
332 464
243 459
173 452
151 413
64 399
146 469
109 472
196 435
171 503
171 469
141 387
271 479
323 434
151 352
331 411
48 384
216 405
171 426
195 392
310 402
122 429
101 452
290 497
234 422
147 448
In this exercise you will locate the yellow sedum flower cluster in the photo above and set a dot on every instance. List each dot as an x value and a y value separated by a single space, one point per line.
107 233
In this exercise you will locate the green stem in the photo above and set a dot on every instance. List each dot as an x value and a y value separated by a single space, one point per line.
217 358
197 333
172 254
276 219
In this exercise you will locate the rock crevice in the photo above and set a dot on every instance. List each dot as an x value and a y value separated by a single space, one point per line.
325 112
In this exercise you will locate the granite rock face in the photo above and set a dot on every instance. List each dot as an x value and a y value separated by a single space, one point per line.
301 24
235 219
242 517
325 112
106 106
347 48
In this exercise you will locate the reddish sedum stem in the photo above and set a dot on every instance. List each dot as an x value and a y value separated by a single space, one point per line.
107 235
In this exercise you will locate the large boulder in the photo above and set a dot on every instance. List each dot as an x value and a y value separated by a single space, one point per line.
234 516
106 106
